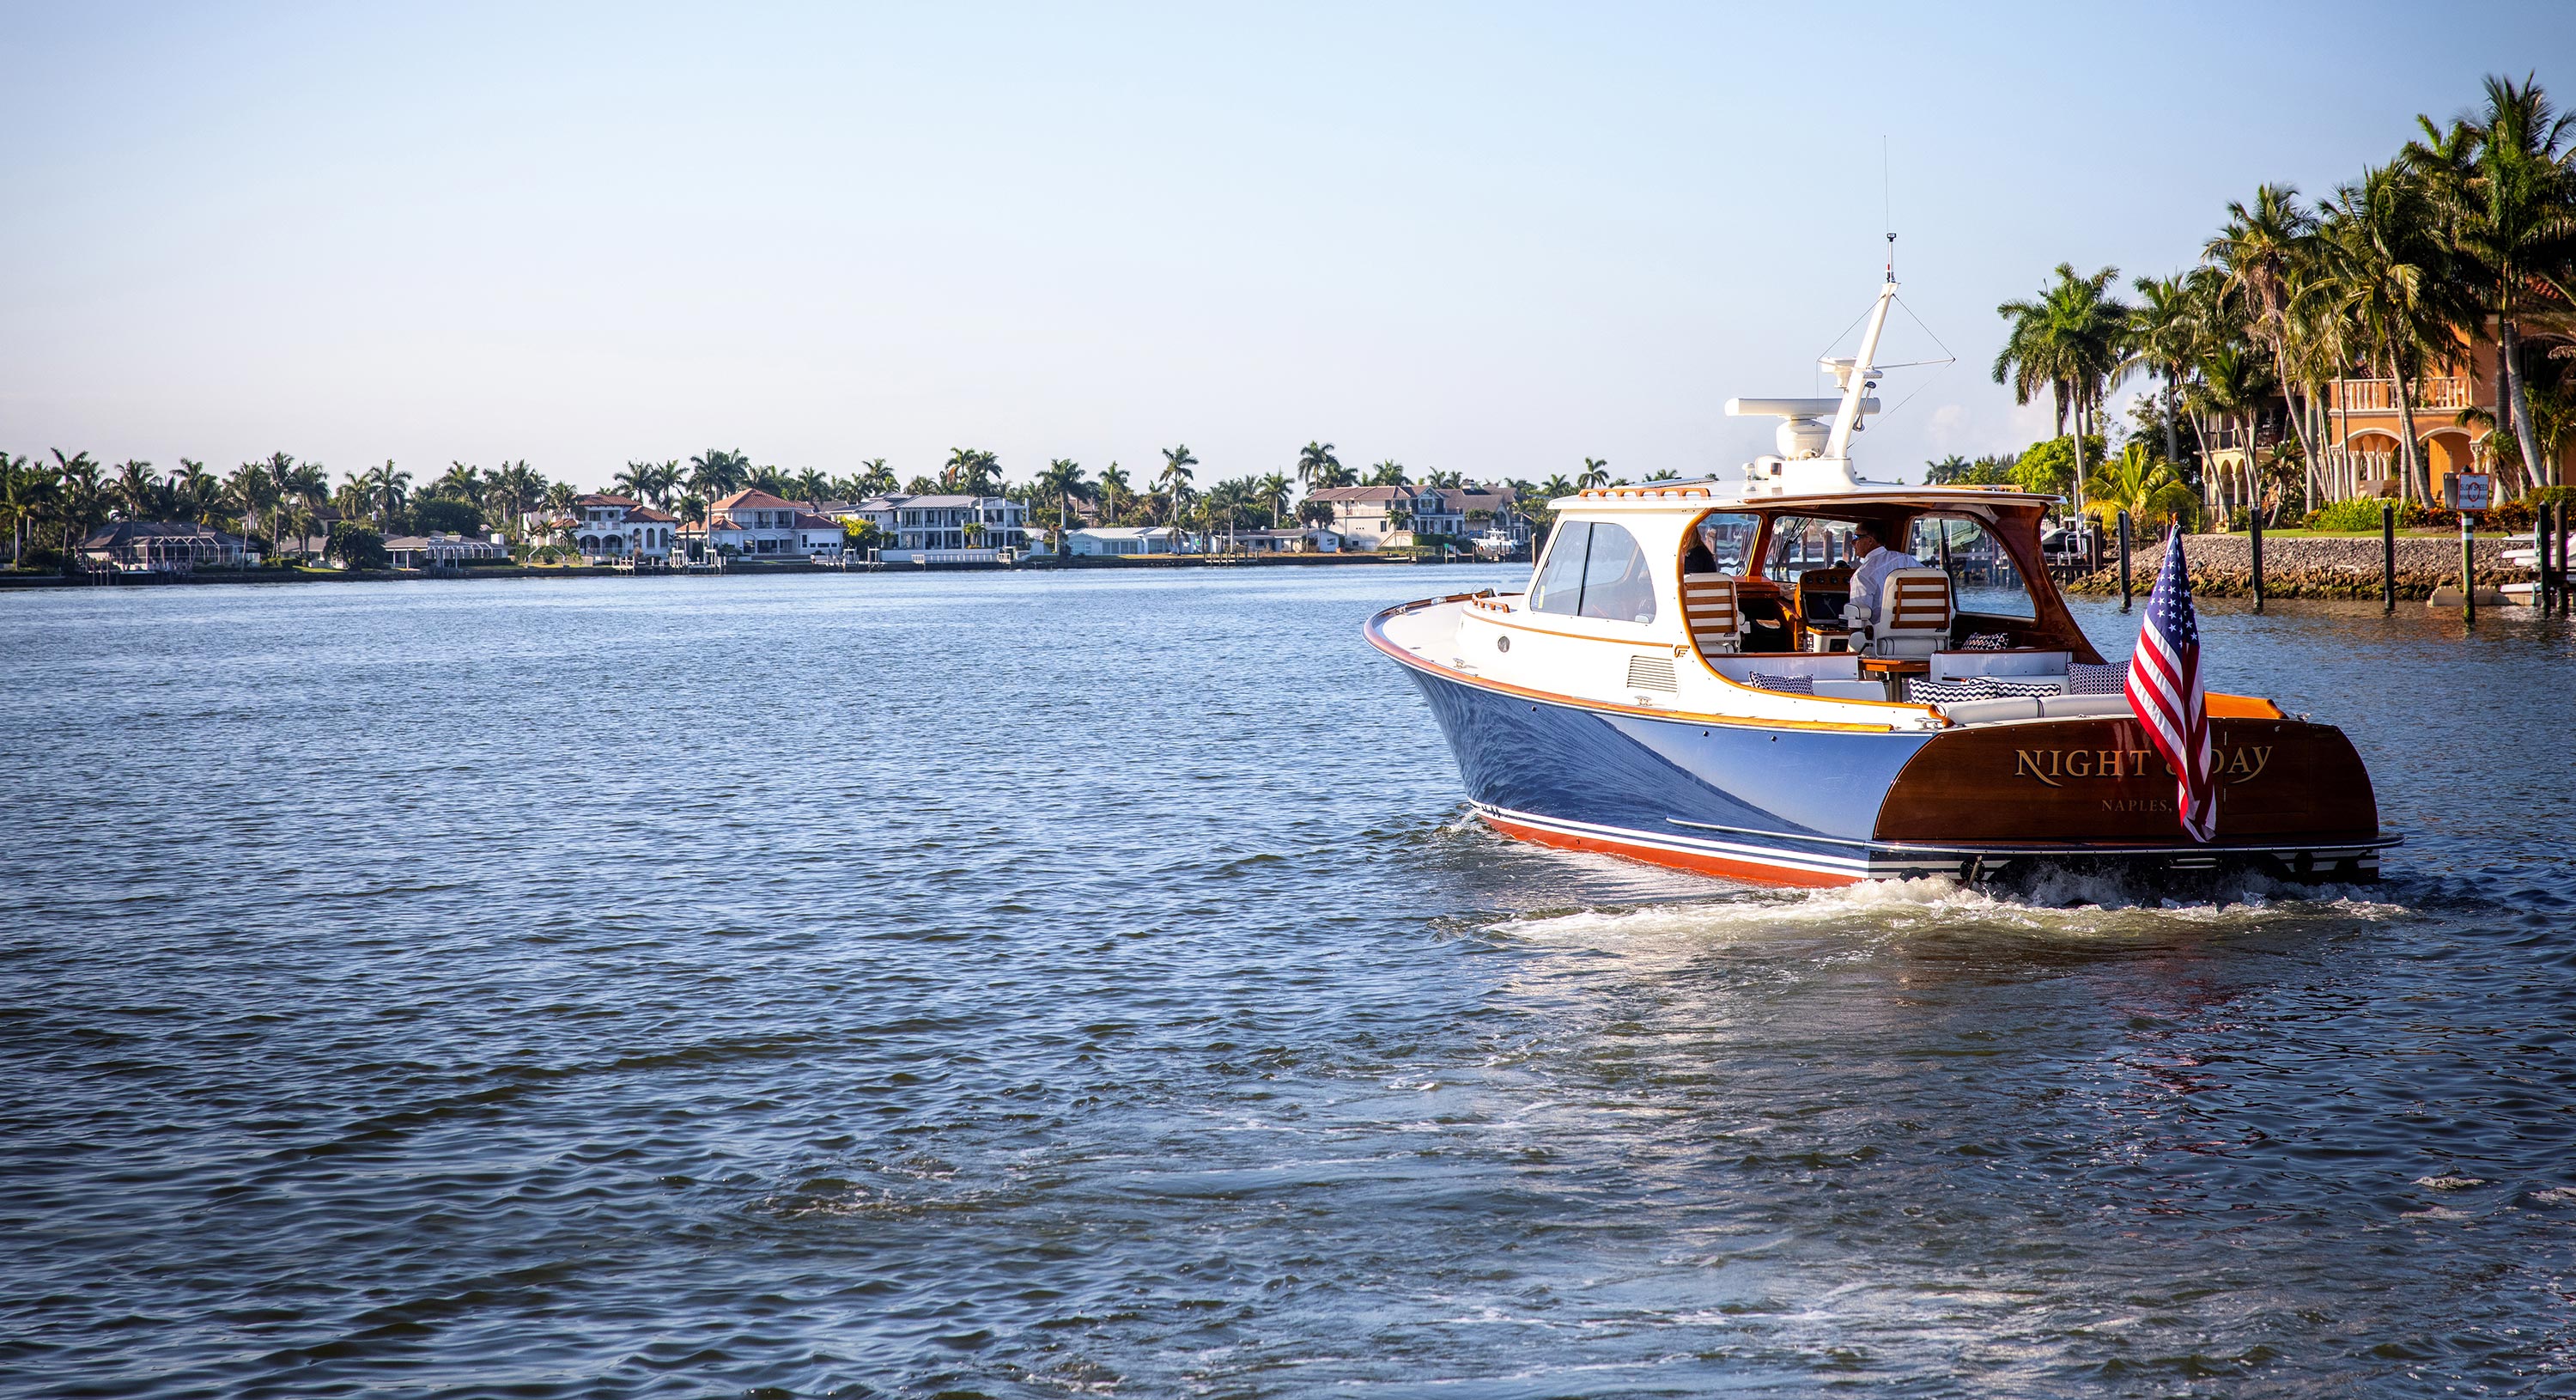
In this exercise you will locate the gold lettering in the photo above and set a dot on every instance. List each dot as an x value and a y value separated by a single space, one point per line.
2139 768
2109 767
2028 762
2082 757
2053 757
2262 758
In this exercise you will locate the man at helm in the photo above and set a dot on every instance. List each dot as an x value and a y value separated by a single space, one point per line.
1869 576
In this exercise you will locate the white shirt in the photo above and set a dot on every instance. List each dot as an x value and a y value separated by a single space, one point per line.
1871 576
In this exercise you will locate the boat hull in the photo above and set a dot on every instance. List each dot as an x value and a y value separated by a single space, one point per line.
1823 805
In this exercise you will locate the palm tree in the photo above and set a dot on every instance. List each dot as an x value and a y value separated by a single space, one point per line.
2165 332
517 489
386 489
1114 493
251 491
137 489
2269 253
27 489
1273 492
2391 280
2232 383
716 473
1557 486
2151 491
83 498
2072 341
1173 482
1316 464
812 486
1061 480
2510 181
878 479
635 481
1387 473
1595 473
200 493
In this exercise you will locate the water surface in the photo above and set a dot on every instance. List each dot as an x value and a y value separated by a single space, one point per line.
1034 986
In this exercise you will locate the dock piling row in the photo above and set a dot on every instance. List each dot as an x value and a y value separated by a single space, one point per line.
2388 558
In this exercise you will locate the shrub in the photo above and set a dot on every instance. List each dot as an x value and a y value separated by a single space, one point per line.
357 546
2359 515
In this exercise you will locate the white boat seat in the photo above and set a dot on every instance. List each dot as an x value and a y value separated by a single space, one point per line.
1913 615
2021 661
2083 706
1851 690
1713 613
1990 711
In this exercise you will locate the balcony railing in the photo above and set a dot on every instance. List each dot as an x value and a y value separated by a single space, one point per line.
2445 394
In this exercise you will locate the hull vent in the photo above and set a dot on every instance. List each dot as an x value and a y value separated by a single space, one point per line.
1651 673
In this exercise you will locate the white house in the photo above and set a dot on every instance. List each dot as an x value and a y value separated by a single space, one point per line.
980 523
1367 517
1126 540
1310 539
447 550
1371 517
607 527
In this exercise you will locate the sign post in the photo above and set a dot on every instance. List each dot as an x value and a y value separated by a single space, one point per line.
2468 493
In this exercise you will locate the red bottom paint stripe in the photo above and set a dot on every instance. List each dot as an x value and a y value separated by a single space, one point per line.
1756 871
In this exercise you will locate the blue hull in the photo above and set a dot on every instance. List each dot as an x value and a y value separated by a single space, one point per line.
1787 805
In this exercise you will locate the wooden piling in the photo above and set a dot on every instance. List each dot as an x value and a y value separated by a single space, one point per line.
2254 535
2388 558
2468 569
2124 561
2544 590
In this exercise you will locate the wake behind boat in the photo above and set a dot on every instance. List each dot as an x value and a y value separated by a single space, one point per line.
1690 680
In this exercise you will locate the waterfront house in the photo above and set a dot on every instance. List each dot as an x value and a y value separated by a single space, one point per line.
162 547
607 528
1126 540
756 524
961 529
1461 511
1370 517
440 552
2365 428
1311 539
1373 517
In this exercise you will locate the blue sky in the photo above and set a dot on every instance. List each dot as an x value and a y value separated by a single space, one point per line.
1493 240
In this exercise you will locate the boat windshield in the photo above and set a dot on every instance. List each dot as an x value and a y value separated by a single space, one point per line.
1982 572
1594 569
1802 543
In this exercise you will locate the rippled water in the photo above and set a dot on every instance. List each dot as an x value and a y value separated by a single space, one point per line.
1083 985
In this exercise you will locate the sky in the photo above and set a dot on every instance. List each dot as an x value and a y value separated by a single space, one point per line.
1488 239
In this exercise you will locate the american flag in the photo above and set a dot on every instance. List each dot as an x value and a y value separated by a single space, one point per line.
2164 692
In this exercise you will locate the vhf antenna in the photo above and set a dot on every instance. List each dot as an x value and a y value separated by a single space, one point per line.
1886 208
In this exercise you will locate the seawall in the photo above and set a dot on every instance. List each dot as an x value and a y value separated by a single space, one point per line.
2308 566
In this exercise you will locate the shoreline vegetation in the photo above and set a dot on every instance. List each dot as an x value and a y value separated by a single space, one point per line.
292 574
2450 268
289 510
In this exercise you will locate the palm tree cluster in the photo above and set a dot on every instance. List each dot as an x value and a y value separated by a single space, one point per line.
2463 244
283 502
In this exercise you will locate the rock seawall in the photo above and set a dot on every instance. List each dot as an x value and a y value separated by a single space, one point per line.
2222 566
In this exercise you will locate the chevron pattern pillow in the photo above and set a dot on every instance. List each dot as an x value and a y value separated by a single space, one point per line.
1987 641
1786 685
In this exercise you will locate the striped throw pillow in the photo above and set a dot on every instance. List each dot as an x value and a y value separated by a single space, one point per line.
1928 692
1787 685
2083 679
2024 685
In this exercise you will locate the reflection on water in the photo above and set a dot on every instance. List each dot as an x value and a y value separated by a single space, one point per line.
1018 986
